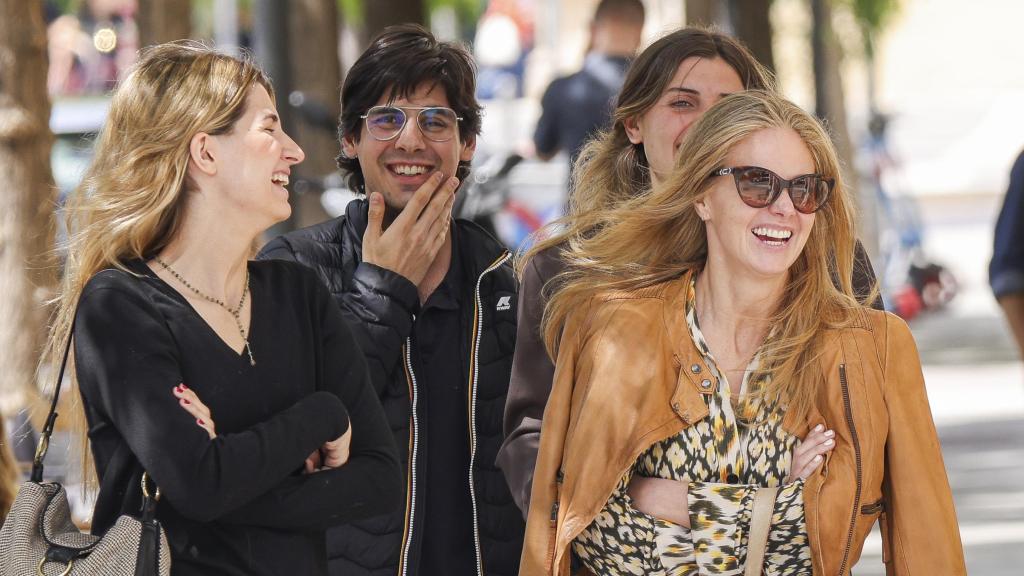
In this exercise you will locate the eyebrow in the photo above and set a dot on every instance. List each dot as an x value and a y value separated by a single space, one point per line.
270 116
692 91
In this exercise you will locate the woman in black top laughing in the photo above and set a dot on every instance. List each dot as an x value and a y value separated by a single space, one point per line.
236 385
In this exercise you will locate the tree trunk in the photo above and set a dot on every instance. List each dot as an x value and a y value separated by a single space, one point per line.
702 13
164 20
752 23
316 73
383 13
830 106
27 274
8 474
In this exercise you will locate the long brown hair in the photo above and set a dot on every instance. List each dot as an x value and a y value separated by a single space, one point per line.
131 201
611 169
657 237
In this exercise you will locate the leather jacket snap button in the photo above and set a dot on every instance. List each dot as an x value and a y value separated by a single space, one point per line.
705 383
695 368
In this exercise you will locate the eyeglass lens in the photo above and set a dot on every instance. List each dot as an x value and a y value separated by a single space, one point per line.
437 124
759 187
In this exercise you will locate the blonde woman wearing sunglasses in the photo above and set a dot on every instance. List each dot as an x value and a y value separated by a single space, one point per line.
699 335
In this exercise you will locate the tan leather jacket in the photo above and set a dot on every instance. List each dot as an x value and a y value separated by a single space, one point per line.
628 375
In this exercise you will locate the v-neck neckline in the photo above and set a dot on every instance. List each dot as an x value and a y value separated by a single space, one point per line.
242 354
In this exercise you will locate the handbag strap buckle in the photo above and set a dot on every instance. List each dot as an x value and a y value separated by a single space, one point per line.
145 488
67 568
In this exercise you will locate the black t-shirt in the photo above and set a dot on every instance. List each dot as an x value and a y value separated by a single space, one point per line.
439 362
237 504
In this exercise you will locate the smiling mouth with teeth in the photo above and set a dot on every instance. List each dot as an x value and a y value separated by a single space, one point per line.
279 179
409 169
772 236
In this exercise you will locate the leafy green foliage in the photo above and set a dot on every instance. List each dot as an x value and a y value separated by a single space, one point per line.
352 11
872 17
468 11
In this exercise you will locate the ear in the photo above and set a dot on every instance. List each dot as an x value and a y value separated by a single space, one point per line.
468 149
348 147
701 207
202 153
632 127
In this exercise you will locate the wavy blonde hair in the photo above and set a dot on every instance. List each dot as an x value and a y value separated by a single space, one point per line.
131 202
657 237
610 169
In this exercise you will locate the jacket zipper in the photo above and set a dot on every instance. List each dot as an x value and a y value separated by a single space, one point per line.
869 509
413 449
554 523
478 327
847 406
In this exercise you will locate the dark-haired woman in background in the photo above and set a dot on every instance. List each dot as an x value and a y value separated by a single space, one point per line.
671 84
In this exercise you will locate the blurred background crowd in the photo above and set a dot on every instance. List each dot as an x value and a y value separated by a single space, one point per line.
923 97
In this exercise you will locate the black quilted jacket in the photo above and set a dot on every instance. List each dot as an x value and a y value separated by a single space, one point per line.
380 307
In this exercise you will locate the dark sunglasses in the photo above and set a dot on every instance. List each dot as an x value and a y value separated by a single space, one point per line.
760 187
436 123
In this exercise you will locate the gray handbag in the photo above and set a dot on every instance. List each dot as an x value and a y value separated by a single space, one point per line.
38 536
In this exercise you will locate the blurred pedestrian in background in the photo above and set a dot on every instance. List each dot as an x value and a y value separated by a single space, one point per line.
574 108
1006 271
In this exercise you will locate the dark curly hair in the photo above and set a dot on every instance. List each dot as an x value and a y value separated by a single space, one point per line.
399 60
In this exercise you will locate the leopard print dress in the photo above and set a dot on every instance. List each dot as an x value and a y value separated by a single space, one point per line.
724 460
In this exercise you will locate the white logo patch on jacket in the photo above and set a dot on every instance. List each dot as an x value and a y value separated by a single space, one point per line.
504 303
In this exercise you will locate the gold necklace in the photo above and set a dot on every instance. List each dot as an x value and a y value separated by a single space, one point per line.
236 312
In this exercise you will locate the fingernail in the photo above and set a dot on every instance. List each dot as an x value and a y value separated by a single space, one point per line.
818 428
201 423
437 176
183 387
829 442
453 182
185 401
830 432
817 458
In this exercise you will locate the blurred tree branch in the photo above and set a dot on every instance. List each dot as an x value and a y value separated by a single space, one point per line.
316 73
379 14
702 13
164 20
752 23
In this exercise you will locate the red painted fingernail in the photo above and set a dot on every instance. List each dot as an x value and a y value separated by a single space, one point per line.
200 421
185 401
183 387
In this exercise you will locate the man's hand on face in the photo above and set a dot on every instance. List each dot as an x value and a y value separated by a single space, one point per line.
411 242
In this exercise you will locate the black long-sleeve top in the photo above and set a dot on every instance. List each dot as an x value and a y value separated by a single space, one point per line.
237 504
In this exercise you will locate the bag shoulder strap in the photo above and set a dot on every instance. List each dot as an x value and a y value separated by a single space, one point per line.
760 526
51 417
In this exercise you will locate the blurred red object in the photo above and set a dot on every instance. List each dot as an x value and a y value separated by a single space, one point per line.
907 302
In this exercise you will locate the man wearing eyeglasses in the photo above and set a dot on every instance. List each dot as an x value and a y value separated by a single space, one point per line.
432 301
